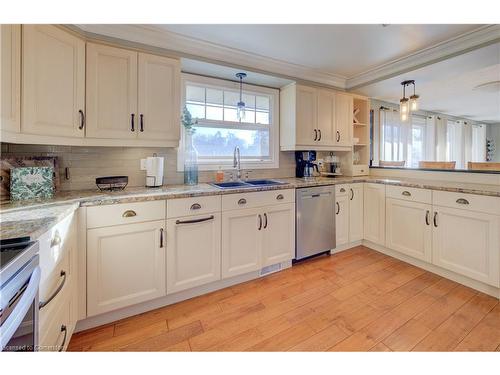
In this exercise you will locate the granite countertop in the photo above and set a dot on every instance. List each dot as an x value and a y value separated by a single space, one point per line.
32 218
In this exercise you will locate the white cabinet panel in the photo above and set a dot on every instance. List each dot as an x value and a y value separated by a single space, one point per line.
306 115
343 119
467 243
193 251
408 228
159 97
326 118
356 212
278 231
342 219
241 241
10 77
53 82
374 213
111 92
125 265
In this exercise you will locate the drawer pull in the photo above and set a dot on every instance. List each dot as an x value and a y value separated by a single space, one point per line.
435 219
352 194
195 206
161 237
462 201
129 213
56 241
211 217
55 293
338 208
280 197
242 201
265 220
427 213
65 330
342 190
406 193
260 222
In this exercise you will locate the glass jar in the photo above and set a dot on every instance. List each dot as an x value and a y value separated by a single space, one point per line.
190 161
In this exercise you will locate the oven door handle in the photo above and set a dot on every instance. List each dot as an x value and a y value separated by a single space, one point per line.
12 323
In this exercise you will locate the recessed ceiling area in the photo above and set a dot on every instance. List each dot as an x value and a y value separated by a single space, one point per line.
452 86
344 50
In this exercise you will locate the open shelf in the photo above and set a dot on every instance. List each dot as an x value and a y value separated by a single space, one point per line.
358 124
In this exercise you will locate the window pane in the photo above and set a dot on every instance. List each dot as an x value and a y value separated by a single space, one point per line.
214 113
197 111
262 118
249 101
263 102
195 94
249 116
214 97
216 142
230 114
231 98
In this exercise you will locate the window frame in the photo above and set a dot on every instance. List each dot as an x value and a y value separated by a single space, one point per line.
227 164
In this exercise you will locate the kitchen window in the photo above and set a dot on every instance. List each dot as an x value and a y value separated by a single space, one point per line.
218 131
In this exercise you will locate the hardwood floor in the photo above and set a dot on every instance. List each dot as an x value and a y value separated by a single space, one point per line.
357 300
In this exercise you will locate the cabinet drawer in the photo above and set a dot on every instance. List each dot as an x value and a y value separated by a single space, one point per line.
360 170
341 190
257 199
193 206
57 279
471 202
125 213
55 332
409 194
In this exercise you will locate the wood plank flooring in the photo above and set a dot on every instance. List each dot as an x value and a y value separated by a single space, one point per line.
357 300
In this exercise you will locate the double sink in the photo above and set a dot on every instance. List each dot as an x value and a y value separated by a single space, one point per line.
246 184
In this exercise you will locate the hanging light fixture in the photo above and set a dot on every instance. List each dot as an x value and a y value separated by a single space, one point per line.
414 100
408 105
240 107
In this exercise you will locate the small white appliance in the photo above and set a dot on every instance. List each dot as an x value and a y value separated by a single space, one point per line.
153 166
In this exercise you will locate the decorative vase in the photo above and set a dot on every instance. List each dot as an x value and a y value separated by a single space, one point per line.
190 161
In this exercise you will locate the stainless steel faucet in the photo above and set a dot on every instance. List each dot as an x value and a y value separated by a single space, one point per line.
237 163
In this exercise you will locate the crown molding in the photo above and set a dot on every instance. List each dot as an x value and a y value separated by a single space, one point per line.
480 37
183 46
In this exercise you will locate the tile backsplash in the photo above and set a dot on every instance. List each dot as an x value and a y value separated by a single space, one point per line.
87 163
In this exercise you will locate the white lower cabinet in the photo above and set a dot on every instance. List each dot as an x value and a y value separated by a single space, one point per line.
278 233
356 212
467 243
374 213
125 265
408 228
342 219
193 251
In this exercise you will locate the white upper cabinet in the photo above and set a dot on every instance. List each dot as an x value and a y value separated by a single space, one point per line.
10 77
278 234
111 92
374 213
307 132
159 98
53 95
326 117
343 119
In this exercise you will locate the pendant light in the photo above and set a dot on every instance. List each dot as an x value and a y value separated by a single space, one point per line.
414 100
408 105
240 107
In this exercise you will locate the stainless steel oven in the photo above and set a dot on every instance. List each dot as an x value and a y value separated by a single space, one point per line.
19 284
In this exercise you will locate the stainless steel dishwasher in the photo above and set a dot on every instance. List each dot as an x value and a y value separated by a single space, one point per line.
315 221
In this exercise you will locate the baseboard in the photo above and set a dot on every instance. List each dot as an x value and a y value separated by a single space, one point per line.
346 246
474 284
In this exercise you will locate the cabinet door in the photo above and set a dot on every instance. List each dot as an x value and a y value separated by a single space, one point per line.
343 119
278 233
374 213
159 95
53 82
467 243
190 262
241 241
10 77
341 219
408 228
306 116
111 92
125 266
326 118
355 212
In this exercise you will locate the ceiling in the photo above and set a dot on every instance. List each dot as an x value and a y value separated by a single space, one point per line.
449 86
343 50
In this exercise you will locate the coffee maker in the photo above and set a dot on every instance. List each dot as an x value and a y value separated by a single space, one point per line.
305 164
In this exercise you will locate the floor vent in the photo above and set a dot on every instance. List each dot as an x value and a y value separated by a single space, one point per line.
270 269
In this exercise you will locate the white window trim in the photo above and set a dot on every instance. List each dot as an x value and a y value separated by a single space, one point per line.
224 163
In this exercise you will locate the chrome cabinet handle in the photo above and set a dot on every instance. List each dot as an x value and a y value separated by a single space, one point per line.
265 220
141 119
319 131
462 201
315 134
242 201
211 217
56 241
195 206
260 222
65 330
338 208
435 219
82 119
352 194
132 126
56 292
338 136
161 237
406 193
427 213
280 197
129 213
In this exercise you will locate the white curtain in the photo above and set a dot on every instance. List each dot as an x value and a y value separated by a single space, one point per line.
394 136
478 143
455 143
